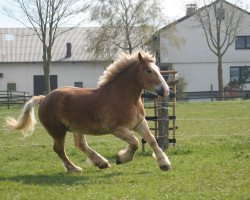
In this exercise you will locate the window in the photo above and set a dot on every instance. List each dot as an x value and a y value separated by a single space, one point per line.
78 84
234 74
240 74
248 42
242 42
11 86
9 37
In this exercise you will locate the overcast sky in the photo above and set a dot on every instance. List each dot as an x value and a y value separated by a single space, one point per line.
174 9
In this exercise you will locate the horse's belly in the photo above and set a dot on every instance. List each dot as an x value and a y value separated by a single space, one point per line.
93 128
92 131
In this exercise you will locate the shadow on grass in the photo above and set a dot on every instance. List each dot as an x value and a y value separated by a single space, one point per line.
40 179
59 179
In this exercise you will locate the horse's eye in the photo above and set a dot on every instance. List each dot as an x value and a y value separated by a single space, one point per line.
148 71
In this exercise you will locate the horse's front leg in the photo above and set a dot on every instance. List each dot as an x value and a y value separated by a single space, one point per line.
126 154
143 130
95 158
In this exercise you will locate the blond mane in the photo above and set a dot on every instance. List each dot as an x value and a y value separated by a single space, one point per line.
123 62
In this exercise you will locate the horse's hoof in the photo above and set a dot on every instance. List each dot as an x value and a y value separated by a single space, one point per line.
104 166
74 170
165 167
118 160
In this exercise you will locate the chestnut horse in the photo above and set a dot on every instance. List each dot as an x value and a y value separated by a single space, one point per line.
114 107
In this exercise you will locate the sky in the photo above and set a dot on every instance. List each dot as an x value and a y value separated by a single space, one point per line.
174 9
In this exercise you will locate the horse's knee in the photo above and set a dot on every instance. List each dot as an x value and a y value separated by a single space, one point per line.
152 142
134 145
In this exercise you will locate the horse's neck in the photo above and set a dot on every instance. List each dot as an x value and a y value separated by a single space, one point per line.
125 86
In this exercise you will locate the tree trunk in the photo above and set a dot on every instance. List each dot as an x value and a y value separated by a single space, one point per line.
46 68
220 78
130 49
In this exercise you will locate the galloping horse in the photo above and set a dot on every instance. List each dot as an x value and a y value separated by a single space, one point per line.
114 107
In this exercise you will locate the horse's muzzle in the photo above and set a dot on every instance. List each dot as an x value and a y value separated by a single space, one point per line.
162 91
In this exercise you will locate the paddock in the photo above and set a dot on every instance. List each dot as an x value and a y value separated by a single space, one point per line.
210 161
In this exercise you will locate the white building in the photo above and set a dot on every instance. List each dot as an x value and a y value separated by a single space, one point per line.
194 60
21 58
21 61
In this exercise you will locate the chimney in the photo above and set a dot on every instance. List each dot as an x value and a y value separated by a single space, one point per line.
68 50
190 8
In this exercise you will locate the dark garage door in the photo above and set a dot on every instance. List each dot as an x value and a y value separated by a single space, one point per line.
39 84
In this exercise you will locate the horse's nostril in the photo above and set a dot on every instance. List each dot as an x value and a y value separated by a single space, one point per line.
160 91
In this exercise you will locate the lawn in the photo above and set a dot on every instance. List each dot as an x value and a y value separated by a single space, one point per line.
210 161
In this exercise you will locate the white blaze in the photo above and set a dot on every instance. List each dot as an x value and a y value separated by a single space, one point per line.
163 82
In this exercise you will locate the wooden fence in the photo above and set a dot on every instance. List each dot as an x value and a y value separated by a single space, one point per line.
164 116
212 95
10 98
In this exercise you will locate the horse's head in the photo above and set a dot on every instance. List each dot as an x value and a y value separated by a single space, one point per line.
150 78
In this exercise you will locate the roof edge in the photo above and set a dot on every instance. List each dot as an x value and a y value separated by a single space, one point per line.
198 10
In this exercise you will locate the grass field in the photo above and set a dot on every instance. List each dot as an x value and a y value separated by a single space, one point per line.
210 161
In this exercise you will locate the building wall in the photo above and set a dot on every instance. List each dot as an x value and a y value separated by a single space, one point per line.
201 76
88 73
67 73
195 61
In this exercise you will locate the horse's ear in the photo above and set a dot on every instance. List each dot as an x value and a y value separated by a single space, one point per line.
140 58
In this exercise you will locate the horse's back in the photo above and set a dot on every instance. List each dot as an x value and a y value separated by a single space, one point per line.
65 95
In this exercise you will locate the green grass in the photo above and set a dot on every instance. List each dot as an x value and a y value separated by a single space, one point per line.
210 161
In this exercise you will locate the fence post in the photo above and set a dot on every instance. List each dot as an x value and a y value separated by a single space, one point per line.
11 97
8 99
24 97
242 92
163 124
212 93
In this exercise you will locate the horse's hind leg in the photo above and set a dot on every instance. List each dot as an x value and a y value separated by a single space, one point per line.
58 147
126 154
96 158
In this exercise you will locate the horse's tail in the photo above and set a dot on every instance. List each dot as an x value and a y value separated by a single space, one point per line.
26 121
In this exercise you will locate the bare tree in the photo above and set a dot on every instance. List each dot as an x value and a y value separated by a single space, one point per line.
124 25
221 21
44 17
